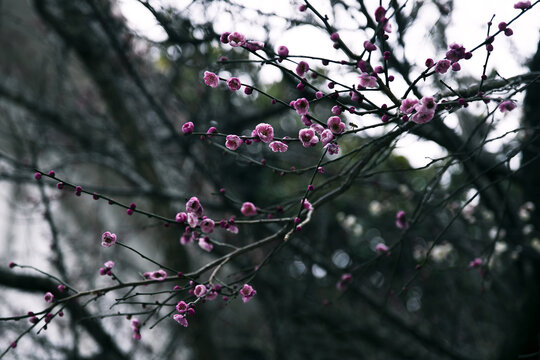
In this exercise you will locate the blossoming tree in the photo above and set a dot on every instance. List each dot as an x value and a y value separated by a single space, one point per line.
280 211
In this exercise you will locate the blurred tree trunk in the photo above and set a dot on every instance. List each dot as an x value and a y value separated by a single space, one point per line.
523 337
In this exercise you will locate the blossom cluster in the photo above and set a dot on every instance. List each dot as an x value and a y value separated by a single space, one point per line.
194 218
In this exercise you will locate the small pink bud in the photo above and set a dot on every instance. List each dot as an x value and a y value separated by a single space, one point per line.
248 209
187 128
382 249
369 46
283 51
49 297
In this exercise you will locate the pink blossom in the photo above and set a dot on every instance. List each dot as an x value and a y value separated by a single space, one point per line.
181 217
442 66
522 5
380 13
401 221
368 81
207 225
136 327
345 280
182 307
422 117
247 293
507 105
49 297
186 238
362 65
477 262
248 209
205 244
255 137
306 120
199 290
283 52
265 132
335 125
232 142
427 103
317 128
407 105
211 79
224 38
319 94
302 68
188 127
301 106
306 204
278 146
233 229
180 319
336 110
254 45
135 324
308 137
326 136
382 249
192 219
332 148
425 110
369 46
193 205
107 269
211 295
456 53
234 84
158 275
236 39
108 239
